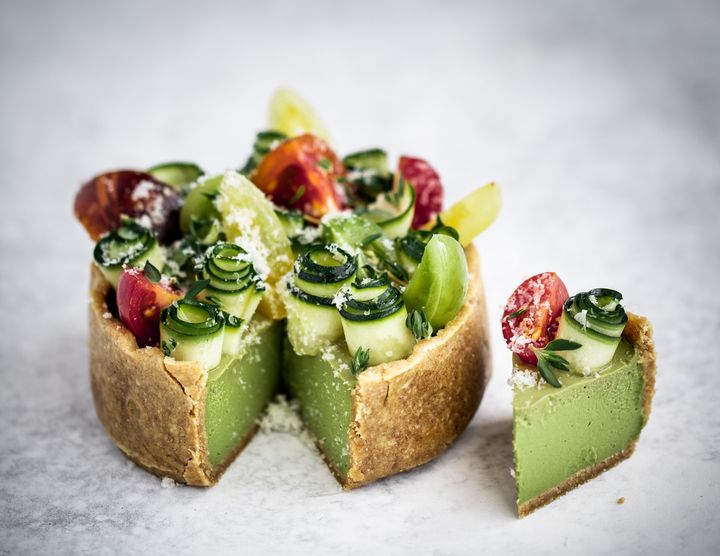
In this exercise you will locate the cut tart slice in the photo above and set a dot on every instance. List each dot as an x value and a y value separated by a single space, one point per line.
583 378
204 287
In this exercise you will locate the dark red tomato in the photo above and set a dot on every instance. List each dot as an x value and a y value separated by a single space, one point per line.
301 173
101 201
531 315
428 189
140 302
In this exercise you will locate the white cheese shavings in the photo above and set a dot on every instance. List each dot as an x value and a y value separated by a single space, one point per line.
167 482
107 315
523 379
341 297
282 415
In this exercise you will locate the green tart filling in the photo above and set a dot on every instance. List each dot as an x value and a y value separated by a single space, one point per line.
559 432
240 387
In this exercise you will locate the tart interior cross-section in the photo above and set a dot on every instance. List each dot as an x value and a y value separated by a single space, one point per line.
583 379
336 282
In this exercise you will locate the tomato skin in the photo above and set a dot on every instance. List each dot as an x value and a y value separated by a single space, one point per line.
140 302
293 176
428 189
104 199
542 296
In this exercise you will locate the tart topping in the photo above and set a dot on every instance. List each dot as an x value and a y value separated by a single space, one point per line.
427 186
101 203
530 317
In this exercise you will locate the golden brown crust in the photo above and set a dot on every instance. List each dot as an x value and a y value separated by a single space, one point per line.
151 405
638 332
407 412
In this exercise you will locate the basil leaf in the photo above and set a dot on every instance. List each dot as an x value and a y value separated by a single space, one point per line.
151 272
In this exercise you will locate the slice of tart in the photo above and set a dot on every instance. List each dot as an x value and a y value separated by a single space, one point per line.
339 275
583 379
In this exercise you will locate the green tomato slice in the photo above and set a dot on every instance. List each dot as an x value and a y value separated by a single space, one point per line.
439 284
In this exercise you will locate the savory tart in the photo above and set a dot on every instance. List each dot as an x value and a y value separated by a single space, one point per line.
337 281
583 379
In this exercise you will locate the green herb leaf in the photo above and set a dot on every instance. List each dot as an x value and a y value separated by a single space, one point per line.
211 196
298 194
151 272
195 288
560 344
547 374
325 164
418 324
360 361
169 346
516 314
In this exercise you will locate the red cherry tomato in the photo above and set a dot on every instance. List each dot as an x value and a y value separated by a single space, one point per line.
428 189
300 173
101 201
531 315
139 303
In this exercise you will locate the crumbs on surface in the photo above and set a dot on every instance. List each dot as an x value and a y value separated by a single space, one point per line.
167 482
621 500
282 415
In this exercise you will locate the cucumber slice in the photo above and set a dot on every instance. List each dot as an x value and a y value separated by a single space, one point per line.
199 206
233 336
370 159
195 331
312 322
179 175
394 212
597 349
321 270
131 245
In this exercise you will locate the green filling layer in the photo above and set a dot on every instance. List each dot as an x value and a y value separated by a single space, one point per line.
560 431
240 387
323 385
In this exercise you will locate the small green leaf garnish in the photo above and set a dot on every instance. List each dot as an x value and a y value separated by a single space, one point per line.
195 288
549 360
360 361
395 197
169 346
298 194
516 314
211 196
418 324
151 272
325 163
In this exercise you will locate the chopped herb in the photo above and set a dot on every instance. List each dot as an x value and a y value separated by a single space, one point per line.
516 314
360 361
417 322
211 196
168 346
195 288
548 359
326 164
151 272
298 194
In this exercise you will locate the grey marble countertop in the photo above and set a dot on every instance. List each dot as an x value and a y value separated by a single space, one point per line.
600 121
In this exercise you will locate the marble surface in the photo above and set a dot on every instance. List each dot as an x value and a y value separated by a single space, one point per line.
601 122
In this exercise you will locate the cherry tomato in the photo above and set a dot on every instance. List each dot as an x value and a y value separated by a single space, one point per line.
301 173
101 201
140 302
531 315
428 189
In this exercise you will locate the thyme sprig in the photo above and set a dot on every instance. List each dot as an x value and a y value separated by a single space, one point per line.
549 360
418 324
360 360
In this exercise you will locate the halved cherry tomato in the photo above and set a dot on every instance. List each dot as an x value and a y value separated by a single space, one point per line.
104 199
531 315
301 173
140 302
428 189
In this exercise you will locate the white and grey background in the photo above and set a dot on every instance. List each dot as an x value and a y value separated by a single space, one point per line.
601 123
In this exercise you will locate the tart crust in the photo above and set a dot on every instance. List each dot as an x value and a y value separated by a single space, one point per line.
638 332
404 413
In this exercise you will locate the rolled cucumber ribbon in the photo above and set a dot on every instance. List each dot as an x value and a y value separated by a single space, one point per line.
596 320
130 245
193 331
